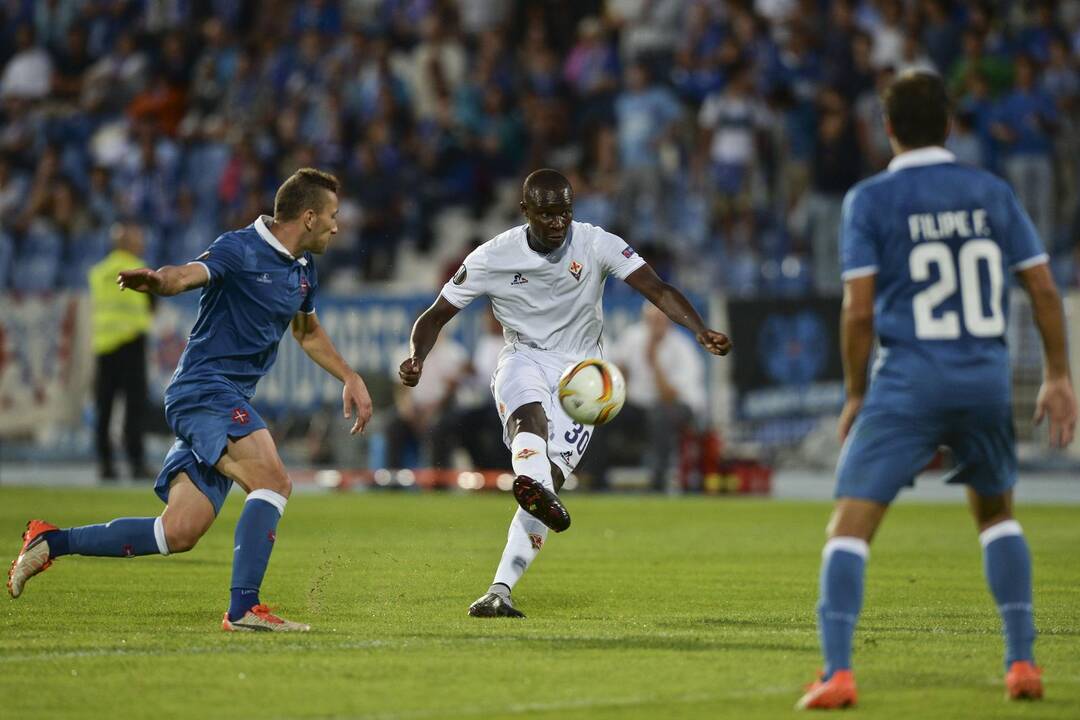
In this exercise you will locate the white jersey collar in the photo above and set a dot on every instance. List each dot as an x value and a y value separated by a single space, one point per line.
932 155
265 234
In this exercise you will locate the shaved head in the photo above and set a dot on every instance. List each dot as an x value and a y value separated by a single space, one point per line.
545 184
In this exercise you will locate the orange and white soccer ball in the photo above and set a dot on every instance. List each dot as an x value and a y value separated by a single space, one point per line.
592 392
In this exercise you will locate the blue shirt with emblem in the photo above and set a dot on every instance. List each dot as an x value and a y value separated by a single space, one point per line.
255 289
942 239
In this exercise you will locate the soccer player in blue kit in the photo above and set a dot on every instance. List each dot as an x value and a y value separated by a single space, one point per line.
256 282
926 250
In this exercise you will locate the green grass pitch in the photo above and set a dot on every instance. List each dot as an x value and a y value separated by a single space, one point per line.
646 608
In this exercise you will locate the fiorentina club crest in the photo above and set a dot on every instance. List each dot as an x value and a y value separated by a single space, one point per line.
536 540
575 270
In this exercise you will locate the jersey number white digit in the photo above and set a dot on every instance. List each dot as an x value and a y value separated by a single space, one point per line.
976 320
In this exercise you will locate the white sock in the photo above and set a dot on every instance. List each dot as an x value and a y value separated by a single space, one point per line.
523 542
528 454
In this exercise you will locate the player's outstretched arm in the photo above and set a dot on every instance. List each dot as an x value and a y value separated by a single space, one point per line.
424 334
165 281
317 344
674 304
1057 399
856 343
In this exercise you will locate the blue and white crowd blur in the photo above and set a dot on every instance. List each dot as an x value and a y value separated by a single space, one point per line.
717 136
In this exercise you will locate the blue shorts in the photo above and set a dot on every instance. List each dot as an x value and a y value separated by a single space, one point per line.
203 421
887 449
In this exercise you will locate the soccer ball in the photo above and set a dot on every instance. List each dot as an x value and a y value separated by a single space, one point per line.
592 391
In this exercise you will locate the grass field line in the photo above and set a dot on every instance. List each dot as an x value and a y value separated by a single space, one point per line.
594 703
412 641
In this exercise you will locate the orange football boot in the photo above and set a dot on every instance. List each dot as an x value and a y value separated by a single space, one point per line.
1023 681
33 557
832 694
260 619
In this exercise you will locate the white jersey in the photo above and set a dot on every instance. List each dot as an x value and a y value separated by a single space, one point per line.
546 302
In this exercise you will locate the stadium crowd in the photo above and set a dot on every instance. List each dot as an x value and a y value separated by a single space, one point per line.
718 136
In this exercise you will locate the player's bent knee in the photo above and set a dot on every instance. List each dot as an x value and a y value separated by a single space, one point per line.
275 479
183 535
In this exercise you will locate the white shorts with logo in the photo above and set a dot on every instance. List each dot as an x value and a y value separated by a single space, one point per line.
525 375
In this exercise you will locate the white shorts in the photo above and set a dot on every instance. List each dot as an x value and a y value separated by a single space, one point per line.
525 376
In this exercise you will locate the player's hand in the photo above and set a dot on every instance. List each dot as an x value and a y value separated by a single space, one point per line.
852 406
1058 401
143 280
410 370
355 396
715 342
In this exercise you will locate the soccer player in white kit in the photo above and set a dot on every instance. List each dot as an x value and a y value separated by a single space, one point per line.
545 280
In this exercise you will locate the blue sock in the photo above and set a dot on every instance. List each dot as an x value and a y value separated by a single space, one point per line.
842 568
1008 572
255 534
123 537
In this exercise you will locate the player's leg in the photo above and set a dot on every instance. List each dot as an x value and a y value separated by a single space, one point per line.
882 454
534 487
1007 564
187 517
840 595
985 447
527 534
252 461
520 389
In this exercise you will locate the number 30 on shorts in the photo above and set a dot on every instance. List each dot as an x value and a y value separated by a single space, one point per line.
575 435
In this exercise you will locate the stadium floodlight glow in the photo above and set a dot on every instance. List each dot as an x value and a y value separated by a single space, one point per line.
328 478
406 477
470 481
383 477
505 482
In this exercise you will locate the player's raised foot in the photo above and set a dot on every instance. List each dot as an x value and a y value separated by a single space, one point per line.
260 619
33 557
541 503
494 605
1023 681
833 694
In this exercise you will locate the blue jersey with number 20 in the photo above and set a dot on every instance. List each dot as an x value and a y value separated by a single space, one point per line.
943 240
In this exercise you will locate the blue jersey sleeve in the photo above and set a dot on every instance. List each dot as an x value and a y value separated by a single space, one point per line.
308 306
1022 245
225 256
858 248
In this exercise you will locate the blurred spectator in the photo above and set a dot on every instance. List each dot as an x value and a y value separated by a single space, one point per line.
13 188
996 70
478 428
888 34
870 124
663 369
731 122
71 61
1025 122
939 35
963 142
648 29
646 113
591 70
121 321
28 73
426 418
837 166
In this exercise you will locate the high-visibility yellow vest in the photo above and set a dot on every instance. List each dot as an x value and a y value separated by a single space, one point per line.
118 317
